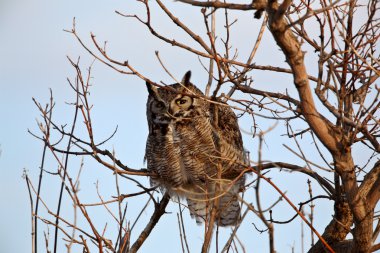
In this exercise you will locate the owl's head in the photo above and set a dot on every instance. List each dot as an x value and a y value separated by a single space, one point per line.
175 103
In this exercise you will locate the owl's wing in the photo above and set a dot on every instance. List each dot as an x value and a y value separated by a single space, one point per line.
227 123
228 139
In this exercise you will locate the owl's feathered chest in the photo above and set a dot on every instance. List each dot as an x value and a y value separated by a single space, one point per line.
181 152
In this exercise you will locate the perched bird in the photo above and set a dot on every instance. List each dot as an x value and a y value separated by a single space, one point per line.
195 148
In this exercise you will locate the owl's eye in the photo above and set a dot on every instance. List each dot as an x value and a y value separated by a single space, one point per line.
183 100
159 105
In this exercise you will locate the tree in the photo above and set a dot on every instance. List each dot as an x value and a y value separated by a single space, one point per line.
331 55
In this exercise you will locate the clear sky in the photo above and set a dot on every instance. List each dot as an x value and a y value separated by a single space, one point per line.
33 50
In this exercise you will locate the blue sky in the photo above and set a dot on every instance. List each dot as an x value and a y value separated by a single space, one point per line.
33 52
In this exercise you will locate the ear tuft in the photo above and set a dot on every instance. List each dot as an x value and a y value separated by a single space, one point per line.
186 78
152 90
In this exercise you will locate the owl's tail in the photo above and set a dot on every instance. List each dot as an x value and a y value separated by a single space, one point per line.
228 210
198 209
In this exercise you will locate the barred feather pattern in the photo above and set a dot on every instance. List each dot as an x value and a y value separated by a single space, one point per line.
195 149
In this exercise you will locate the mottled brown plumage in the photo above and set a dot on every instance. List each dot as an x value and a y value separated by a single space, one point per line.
195 148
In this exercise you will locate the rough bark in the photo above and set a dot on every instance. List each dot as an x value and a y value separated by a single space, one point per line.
330 135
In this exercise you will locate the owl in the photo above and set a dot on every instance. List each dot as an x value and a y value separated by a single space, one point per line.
195 148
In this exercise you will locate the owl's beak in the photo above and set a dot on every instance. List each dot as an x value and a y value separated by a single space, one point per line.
176 114
171 113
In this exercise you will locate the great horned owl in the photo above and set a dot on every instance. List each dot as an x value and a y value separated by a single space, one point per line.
195 148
